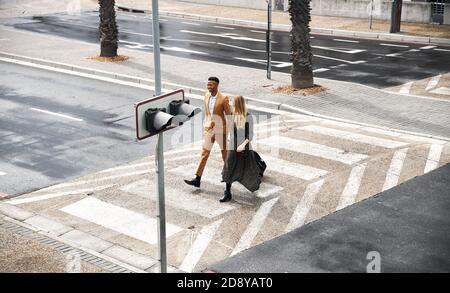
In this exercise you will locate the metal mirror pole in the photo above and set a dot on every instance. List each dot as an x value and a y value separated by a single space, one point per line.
159 159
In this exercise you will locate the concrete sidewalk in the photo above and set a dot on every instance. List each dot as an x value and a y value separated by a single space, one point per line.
342 100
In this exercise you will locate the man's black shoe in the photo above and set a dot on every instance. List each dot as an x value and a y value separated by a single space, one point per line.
226 197
194 182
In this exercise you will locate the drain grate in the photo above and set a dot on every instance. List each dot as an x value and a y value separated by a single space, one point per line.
63 248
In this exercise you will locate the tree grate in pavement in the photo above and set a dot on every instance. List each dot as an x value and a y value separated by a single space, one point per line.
62 247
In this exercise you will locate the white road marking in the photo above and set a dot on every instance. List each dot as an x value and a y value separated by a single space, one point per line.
351 189
214 176
187 201
394 45
320 70
393 55
427 47
346 41
356 137
255 225
406 88
96 180
258 32
2 173
242 48
395 169
199 246
226 36
178 49
281 64
443 50
340 60
126 167
433 82
189 41
190 23
278 64
121 31
303 172
433 157
58 194
135 45
57 114
340 50
271 130
301 211
441 91
313 149
224 27
414 50
119 219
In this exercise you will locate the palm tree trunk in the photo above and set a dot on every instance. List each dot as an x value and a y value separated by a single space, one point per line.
301 56
108 29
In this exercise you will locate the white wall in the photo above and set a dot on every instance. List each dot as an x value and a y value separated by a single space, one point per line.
411 11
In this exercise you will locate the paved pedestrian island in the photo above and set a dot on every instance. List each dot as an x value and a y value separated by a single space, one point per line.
315 168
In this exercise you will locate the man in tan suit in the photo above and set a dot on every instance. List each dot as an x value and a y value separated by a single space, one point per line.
217 109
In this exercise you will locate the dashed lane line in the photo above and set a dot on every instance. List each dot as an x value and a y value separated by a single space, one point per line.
394 45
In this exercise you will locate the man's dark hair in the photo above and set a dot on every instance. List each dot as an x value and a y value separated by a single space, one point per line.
213 78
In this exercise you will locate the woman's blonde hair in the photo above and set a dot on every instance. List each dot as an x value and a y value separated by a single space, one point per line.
240 111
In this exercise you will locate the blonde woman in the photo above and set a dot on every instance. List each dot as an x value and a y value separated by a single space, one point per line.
242 163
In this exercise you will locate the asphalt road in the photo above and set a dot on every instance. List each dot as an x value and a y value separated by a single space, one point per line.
54 127
371 62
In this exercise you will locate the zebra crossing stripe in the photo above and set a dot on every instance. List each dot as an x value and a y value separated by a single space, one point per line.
199 246
58 194
433 157
118 219
255 225
180 199
351 189
312 149
213 176
303 172
406 88
84 182
356 137
433 82
395 169
120 168
302 209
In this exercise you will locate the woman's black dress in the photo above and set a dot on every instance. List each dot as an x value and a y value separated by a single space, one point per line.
246 167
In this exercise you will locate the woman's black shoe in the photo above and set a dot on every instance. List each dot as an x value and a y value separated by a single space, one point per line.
226 197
